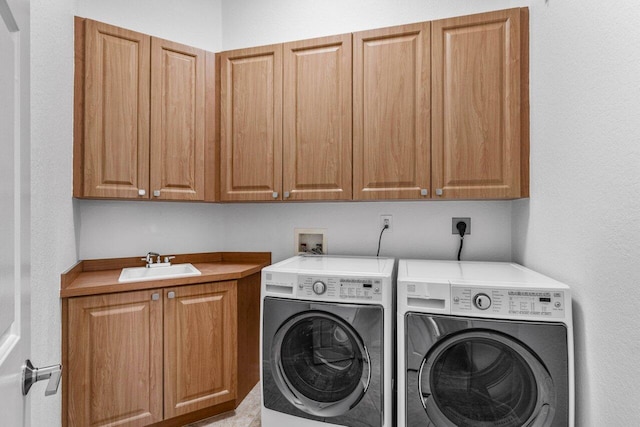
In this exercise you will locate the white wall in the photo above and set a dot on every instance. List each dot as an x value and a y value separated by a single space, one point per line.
109 229
420 229
582 222
252 23
53 247
194 22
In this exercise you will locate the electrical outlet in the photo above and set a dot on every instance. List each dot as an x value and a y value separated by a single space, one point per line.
455 221
386 220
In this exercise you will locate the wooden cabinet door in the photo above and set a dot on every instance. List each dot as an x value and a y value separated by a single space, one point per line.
391 112
200 334
476 106
317 119
251 124
177 121
115 359
116 112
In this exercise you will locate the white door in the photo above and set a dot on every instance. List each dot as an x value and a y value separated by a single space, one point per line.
14 209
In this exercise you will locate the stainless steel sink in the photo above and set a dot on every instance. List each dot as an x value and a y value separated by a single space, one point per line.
141 274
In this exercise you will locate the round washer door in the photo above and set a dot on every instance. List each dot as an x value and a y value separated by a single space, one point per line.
485 379
321 364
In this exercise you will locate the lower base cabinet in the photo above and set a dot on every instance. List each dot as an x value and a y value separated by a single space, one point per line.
199 347
138 358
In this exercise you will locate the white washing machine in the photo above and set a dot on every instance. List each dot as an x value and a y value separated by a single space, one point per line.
326 335
483 345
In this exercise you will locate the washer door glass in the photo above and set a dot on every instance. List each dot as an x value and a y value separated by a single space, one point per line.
483 379
322 365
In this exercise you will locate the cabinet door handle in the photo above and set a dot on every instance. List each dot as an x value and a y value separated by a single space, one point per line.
156 193
274 195
142 192
286 194
438 191
424 192
155 296
171 295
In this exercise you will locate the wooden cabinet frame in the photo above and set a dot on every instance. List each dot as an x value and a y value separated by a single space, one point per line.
480 133
435 110
168 340
200 341
317 141
102 319
177 153
285 131
391 134
251 124
143 118
112 135
120 339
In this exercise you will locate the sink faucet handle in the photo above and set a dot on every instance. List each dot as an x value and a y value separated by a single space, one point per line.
149 257
168 258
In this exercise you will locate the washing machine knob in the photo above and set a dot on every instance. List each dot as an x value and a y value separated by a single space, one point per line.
482 301
319 287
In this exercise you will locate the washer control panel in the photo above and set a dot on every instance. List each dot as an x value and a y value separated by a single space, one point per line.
507 302
340 288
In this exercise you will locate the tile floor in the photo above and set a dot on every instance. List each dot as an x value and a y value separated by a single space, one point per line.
247 414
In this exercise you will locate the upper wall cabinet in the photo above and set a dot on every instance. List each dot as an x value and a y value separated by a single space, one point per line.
251 124
285 131
480 106
433 110
177 121
391 151
115 138
139 116
317 119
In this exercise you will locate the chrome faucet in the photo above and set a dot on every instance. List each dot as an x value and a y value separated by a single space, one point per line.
159 262
149 258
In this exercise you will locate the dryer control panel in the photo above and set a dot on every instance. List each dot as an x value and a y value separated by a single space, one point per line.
537 303
330 288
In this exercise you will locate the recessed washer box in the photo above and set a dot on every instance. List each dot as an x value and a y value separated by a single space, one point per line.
310 241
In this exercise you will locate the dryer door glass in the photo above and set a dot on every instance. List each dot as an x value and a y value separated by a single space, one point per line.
322 364
484 378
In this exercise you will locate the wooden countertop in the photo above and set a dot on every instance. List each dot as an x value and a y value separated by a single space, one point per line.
93 277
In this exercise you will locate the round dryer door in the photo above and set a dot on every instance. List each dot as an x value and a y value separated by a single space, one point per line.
485 379
321 364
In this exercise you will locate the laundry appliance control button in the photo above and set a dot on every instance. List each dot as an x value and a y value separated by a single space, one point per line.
482 301
319 288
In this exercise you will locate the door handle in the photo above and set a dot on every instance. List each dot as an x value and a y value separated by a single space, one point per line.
31 375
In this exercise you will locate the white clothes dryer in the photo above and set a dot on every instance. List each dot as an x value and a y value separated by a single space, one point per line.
483 344
326 342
